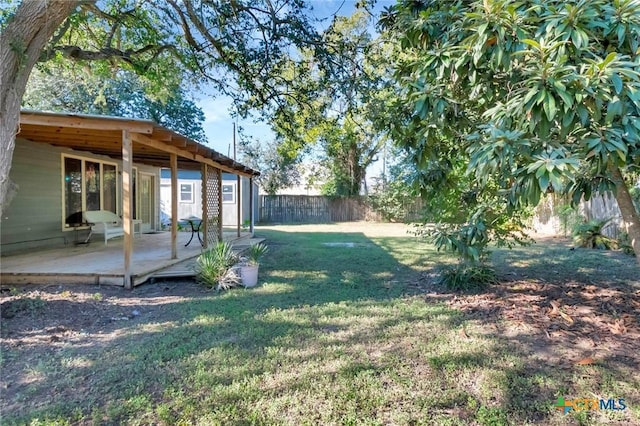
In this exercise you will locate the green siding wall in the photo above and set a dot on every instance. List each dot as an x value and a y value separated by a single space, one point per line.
34 216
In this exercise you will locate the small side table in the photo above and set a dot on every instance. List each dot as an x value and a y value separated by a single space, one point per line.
194 223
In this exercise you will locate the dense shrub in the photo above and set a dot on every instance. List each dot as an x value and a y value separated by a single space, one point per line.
214 267
589 235
467 277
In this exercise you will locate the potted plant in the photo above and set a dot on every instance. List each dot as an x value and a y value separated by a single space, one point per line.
215 269
249 268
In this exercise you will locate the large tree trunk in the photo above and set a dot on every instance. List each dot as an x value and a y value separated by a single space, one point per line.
21 43
630 215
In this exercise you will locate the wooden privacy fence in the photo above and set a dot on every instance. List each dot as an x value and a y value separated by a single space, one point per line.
321 209
602 206
314 209
352 209
294 209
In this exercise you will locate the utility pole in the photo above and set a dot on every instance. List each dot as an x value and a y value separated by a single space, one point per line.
384 165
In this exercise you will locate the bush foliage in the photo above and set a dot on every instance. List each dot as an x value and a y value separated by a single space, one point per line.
214 267
589 235
467 277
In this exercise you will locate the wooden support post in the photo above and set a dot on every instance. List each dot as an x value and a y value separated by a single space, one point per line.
205 201
251 218
174 205
127 205
220 236
239 204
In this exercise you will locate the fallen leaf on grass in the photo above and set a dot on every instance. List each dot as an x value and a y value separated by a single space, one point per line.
463 333
566 317
555 310
585 343
586 361
618 327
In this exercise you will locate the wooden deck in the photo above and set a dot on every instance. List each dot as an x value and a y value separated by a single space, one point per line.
96 263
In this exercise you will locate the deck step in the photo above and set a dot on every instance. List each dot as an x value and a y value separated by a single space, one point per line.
174 274
186 268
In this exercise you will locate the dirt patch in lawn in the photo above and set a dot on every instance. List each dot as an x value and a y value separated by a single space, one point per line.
563 311
565 325
40 320
54 313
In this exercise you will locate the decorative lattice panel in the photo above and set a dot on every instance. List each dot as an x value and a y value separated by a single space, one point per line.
212 206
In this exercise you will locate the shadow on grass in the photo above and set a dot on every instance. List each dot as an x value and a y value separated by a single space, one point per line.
212 341
556 260
569 320
526 389
335 334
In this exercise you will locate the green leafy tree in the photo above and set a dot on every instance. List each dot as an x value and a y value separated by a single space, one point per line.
344 95
350 145
396 189
64 87
520 99
240 47
277 169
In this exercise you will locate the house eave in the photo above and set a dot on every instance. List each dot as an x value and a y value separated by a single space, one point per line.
153 144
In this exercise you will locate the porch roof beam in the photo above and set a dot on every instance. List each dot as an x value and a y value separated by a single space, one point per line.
145 140
84 122
162 135
103 136
178 143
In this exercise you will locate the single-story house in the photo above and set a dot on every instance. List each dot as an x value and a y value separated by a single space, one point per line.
66 164
235 197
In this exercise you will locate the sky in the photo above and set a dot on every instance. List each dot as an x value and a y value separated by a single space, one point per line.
218 124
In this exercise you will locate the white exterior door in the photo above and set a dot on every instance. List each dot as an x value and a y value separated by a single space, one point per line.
146 202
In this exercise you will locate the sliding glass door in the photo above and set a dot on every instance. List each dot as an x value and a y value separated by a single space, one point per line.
88 185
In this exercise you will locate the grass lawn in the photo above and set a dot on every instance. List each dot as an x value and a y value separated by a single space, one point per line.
346 328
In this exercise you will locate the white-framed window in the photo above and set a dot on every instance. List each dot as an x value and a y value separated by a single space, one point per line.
228 193
88 184
186 193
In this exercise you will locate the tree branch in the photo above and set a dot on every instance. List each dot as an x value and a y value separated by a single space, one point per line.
79 54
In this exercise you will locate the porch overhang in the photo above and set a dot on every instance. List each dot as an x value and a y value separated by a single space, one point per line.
152 143
142 142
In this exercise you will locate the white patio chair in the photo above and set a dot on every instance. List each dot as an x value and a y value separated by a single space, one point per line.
104 222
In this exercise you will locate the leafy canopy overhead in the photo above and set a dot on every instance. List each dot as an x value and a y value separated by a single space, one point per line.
246 49
344 96
239 48
65 87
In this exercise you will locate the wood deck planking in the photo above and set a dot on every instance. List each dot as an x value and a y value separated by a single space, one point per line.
96 263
